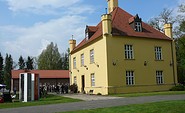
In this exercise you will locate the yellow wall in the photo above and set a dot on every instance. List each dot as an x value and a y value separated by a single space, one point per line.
100 72
145 76
112 79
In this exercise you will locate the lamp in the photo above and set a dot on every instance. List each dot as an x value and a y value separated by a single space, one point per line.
171 63
114 62
96 64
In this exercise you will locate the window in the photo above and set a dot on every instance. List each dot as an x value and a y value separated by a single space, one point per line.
138 27
74 62
92 56
82 59
130 77
129 52
158 53
92 80
159 77
75 80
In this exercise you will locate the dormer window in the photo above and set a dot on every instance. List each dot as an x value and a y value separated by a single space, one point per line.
136 23
86 33
87 36
89 31
138 27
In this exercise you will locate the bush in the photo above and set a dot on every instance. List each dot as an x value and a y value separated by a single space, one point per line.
178 88
73 88
99 94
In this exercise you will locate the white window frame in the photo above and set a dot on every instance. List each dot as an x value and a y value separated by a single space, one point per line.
159 77
129 52
138 27
82 59
92 56
92 79
158 53
130 78
74 63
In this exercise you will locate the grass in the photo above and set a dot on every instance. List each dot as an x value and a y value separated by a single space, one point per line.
50 99
149 94
157 107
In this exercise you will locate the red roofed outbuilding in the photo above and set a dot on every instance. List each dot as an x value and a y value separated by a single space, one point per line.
49 77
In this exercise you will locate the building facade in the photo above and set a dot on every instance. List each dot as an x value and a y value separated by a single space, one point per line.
122 54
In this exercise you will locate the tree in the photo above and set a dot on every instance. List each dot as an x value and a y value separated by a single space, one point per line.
7 70
65 60
155 23
29 63
1 68
21 63
50 58
180 46
164 17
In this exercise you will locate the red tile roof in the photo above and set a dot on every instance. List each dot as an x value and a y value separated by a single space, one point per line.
92 28
43 73
121 27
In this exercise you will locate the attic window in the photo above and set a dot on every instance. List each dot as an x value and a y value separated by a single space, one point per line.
138 27
136 23
86 33
87 36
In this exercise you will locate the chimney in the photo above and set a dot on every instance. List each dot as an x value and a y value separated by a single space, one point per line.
168 30
72 44
106 24
111 5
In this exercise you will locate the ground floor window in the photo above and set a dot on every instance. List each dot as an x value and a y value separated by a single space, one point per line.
75 81
92 80
130 77
159 77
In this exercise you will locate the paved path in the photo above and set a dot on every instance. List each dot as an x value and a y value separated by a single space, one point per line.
89 97
91 104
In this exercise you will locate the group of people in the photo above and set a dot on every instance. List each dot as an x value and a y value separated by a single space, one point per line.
59 89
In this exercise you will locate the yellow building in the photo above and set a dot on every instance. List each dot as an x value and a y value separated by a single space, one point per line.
122 54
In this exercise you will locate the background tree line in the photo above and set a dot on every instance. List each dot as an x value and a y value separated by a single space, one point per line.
49 59
178 21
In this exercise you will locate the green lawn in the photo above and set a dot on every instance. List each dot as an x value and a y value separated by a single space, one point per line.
149 94
157 107
50 99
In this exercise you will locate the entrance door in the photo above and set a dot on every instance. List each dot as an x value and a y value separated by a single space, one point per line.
83 83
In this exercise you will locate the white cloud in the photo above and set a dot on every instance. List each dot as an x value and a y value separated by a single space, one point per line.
31 41
80 10
39 6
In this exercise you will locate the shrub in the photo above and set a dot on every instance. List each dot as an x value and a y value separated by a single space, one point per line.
99 94
178 88
73 88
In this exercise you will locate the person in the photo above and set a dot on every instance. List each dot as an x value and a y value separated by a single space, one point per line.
14 90
62 88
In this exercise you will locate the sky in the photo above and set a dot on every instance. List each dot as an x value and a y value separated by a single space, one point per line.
28 26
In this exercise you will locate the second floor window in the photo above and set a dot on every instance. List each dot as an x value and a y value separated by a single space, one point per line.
82 59
92 56
74 62
129 52
158 53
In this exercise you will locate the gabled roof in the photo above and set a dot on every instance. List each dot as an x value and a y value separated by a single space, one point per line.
121 27
43 73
